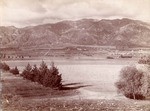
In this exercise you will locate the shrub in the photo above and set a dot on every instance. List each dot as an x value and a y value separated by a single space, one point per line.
148 69
14 71
125 56
148 60
144 60
110 57
133 83
4 67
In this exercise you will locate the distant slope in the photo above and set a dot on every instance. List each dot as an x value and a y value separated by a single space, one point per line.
82 32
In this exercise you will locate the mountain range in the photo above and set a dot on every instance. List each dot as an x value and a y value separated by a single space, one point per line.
128 32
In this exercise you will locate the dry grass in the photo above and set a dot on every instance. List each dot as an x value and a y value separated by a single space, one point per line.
16 85
23 95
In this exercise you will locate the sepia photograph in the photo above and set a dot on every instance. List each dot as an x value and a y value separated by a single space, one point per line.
75 55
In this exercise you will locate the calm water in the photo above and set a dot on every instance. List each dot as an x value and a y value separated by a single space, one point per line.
98 75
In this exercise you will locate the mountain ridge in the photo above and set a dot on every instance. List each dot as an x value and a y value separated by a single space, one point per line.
122 32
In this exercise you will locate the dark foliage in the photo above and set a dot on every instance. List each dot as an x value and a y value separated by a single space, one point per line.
110 57
4 67
14 71
36 74
43 75
52 78
137 96
43 69
27 72
144 60
125 56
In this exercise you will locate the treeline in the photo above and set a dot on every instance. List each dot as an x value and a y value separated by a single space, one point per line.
48 77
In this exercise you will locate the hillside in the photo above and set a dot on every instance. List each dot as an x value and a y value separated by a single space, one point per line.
124 32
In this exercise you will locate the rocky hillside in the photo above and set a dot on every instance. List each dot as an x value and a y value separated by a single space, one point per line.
82 32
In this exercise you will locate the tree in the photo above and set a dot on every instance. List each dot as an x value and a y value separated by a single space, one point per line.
14 71
52 78
42 69
36 74
4 67
27 72
133 83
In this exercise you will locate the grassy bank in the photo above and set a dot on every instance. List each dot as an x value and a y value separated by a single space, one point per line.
22 95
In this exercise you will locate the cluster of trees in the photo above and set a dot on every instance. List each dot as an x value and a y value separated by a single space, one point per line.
48 77
6 67
134 83
14 71
144 60
4 56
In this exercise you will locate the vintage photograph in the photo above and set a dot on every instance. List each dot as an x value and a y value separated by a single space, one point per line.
75 55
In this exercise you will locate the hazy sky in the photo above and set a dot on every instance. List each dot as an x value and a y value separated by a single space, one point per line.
22 13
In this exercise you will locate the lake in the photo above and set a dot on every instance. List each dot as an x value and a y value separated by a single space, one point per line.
94 76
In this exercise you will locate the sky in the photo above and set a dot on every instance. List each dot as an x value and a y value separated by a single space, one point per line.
21 13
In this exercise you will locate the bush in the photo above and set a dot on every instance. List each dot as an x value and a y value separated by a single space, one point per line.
144 60
4 67
148 69
125 56
110 57
14 71
133 83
